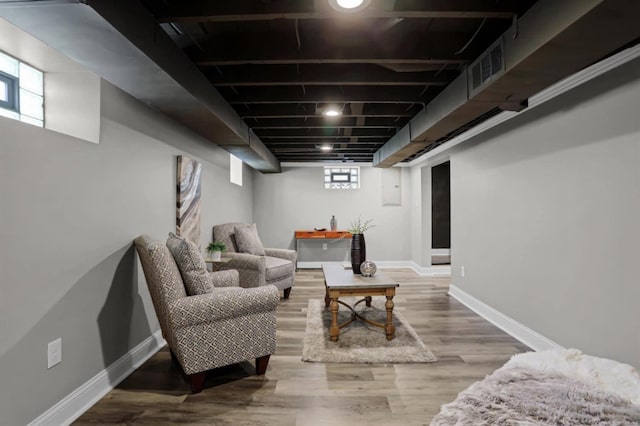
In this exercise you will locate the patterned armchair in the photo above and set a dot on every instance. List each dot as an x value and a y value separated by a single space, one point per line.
257 266
227 325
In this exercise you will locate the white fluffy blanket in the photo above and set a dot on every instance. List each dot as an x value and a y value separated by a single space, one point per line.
550 388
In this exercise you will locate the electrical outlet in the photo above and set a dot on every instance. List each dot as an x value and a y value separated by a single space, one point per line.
54 353
462 271
324 246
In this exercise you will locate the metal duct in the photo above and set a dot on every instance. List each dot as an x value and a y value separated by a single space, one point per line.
121 42
550 42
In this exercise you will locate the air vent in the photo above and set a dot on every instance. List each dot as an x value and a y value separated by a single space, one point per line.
487 67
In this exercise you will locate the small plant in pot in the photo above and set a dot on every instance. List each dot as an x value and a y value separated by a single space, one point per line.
215 249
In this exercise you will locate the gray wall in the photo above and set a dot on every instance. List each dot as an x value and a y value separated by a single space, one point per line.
296 199
545 215
70 210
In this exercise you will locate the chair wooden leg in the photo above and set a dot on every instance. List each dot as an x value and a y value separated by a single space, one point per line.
197 382
261 364
287 292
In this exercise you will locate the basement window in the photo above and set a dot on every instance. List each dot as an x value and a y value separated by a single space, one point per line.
342 177
21 91
235 170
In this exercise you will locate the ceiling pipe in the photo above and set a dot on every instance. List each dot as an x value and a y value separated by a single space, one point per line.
120 41
554 40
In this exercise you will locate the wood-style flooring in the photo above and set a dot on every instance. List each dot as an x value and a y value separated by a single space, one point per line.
296 393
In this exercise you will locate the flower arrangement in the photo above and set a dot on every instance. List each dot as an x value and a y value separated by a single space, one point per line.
359 227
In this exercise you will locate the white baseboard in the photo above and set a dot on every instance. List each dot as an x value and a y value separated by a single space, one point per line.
440 252
431 271
81 399
529 337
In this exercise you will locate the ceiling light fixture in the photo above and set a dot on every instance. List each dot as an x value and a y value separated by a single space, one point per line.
332 112
349 5
326 147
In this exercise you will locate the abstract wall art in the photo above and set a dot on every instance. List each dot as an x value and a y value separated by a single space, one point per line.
188 199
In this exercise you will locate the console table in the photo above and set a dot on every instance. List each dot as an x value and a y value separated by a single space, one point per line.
320 235
326 235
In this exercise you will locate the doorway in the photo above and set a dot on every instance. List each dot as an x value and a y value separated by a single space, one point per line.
441 214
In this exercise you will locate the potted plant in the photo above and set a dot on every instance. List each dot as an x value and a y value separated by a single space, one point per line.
215 249
358 247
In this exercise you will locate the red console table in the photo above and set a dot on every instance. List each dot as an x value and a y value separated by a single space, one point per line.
320 235
304 235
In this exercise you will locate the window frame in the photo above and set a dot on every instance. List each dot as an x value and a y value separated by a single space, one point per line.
333 173
13 92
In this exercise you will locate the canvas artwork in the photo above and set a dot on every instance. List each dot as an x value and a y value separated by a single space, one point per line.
188 199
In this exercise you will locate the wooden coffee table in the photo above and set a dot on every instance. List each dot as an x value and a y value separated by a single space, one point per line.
340 282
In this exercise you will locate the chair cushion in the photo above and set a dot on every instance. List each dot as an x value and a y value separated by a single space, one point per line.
226 233
276 268
247 240
191 265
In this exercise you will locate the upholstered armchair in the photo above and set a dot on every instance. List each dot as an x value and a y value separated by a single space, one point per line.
257 266
226 324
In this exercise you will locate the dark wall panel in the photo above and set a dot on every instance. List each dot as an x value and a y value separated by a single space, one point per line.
441 206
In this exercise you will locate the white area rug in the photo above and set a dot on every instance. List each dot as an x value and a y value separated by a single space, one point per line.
360 342
549 388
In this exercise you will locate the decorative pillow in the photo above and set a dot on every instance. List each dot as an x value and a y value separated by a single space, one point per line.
247 240
191 264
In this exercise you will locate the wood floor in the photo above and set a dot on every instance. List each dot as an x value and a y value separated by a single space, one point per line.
296 393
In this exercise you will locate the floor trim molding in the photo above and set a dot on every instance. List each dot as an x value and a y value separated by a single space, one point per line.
81 399
529 337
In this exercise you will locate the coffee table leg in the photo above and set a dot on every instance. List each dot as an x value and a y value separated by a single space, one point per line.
327 299
368 301
389 328
334 330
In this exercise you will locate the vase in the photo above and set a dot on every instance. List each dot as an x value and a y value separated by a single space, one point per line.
216 255
358 252
333 223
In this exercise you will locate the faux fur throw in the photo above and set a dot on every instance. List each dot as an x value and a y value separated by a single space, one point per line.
524 396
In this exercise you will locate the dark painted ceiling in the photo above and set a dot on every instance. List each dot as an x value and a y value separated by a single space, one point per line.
253 76
280 63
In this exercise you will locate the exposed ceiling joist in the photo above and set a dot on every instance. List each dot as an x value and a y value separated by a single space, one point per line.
252 111
300 140
325 75
236 11
322 122
278 48
323 133
315 94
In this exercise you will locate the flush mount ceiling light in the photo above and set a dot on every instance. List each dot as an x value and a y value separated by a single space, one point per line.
330 109
326 147
349 6
331 112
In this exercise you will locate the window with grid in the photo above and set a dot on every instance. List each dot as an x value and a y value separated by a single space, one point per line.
21 91
342 177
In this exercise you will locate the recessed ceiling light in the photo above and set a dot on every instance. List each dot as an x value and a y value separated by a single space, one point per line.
326 147
332 112
349 5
